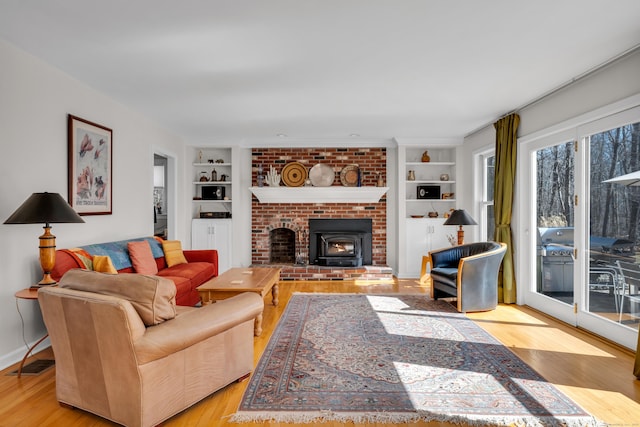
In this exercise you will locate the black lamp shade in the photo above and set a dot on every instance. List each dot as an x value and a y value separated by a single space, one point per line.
45 208
460 217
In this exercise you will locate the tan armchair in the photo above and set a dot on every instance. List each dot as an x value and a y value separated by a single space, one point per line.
125 352
468 273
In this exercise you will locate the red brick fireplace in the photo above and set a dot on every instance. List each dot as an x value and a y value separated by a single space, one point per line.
270 217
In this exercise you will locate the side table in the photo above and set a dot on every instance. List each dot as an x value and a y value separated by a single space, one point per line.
28 294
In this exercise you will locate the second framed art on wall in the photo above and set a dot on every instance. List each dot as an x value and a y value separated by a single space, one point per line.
90 167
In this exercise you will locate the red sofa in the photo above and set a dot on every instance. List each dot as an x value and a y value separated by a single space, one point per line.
201 265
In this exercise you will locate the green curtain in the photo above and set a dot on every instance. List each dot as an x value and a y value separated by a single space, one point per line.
636 366
505 175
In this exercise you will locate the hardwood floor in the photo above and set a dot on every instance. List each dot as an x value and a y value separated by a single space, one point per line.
595 374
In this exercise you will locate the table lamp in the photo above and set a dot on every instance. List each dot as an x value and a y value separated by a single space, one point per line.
460 217
45 208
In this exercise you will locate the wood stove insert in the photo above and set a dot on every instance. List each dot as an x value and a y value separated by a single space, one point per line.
344 242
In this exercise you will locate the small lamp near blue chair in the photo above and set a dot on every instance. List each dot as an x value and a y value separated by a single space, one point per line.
460 217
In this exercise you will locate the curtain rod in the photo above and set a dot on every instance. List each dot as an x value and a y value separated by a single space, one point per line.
575 79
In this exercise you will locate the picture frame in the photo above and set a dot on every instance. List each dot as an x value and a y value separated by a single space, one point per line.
90 167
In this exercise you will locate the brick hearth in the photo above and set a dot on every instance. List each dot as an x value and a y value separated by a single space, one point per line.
315 272
295 216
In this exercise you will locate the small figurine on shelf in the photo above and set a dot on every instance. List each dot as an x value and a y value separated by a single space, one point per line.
380 180
200 156
203 177
433 213
411 176
425 157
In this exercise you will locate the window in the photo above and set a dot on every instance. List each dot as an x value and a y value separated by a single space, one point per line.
487 217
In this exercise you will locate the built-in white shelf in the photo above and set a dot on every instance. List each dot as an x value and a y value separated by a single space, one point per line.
431 200
429 182
332 194
212 182
211 164
430 163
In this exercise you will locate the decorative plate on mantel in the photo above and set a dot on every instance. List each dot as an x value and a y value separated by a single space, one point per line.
349 175
294 174
322 175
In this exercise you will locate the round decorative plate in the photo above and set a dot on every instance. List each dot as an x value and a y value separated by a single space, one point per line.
294 174
349 175
322 175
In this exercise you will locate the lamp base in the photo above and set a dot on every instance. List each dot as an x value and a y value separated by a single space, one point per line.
47 256
460 236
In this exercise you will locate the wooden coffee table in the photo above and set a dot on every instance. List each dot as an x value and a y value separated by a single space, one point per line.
235 281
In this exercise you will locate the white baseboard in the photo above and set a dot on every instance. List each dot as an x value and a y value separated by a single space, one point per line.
17 355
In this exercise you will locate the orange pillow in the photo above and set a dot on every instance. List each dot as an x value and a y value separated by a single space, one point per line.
81 256
142 258
173 252
103 264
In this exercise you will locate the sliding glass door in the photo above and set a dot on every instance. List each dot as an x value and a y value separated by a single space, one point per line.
555 221
614 205
552 169
581 213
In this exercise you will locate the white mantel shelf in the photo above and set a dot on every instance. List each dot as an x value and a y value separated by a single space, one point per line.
333 194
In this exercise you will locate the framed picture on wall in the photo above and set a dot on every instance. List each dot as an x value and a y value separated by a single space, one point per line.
90 167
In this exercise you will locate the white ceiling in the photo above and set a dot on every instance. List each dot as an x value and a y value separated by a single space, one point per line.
227 71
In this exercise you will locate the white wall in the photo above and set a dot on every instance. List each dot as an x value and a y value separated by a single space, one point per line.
610 84
617 81
35 100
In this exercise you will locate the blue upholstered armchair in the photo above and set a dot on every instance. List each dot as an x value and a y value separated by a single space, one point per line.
468 273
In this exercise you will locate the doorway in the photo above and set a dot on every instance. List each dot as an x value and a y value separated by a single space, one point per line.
160 191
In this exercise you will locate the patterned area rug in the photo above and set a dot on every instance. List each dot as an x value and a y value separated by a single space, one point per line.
395 358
